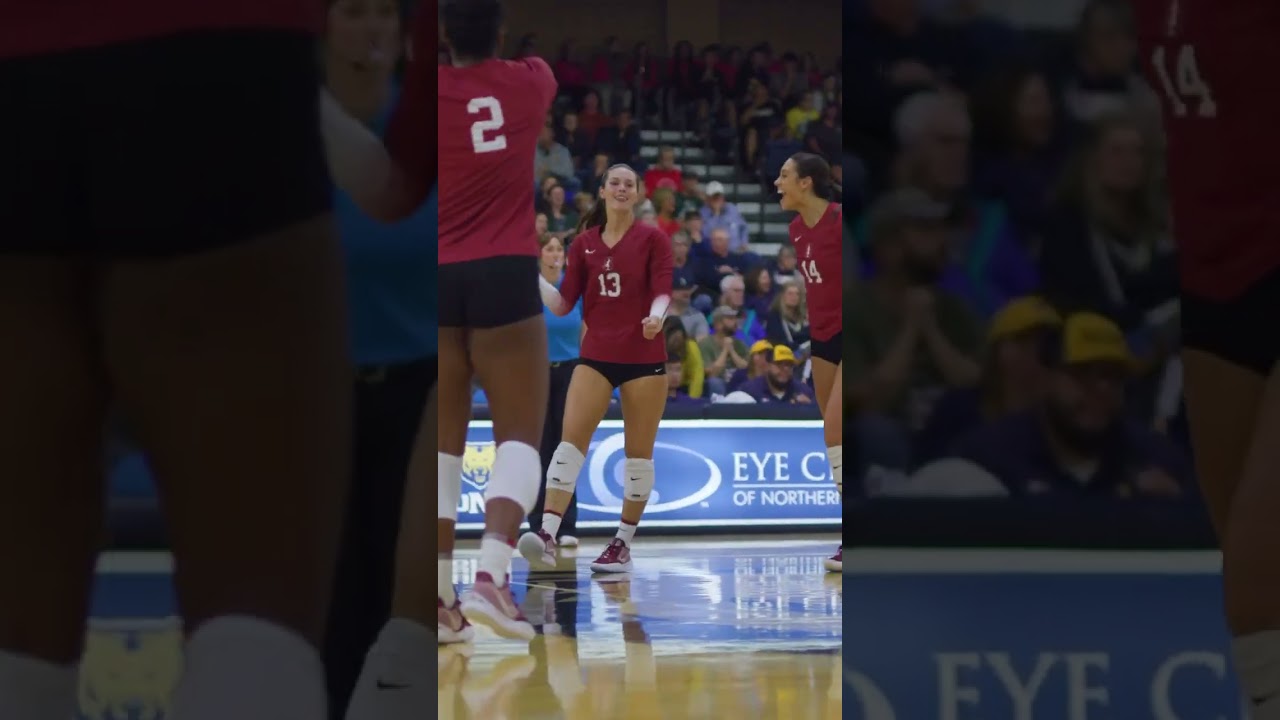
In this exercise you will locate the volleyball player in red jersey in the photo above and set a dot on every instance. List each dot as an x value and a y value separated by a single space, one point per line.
1220 118
166 246
622 272
804 184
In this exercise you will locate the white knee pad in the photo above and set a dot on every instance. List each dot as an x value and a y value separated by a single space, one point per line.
835 456
449 485
516 467
566 463
638 480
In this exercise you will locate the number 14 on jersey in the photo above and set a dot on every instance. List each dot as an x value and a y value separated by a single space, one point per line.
1182 83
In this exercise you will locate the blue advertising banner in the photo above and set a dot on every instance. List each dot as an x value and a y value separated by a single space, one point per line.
710 474
1031 635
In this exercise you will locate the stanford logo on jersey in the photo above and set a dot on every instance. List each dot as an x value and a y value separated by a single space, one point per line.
608 263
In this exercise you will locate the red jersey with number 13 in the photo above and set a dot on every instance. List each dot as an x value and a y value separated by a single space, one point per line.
821 262
1204 59
618 285
490 115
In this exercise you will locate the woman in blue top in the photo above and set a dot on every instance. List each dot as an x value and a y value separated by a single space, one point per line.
392 303
564 335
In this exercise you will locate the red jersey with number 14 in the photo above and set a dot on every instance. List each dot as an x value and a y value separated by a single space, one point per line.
490 115
1208 60
618 285
821 262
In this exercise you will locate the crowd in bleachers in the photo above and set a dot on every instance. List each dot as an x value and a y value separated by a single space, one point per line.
1011 327
737 329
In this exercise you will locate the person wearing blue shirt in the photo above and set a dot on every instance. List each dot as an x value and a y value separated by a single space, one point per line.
391 270
564 336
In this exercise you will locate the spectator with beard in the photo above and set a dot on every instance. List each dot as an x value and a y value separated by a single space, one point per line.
722 353
1077 440
908 339
778 383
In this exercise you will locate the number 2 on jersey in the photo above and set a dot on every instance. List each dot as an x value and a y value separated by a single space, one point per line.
1185 83
493 109
810 270
610 284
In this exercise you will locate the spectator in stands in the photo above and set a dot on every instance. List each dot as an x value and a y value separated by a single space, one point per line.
1013 378
761 352
760 111
1109 249
790 82
719 263
582 202
724 134
908 338
606 75
692 375
778 383
690 197
779 148
541 203
988 265
694 321
677 394
753 71
570 75
642 77
733 295
1020 148
1078 441
552 160
663 174
825 138
541 224
592 119
594 176
683 91
987 40
691 225
562 220
719 213
801 116
681 265
664 205
788 318
760 290
1104 80
621 141
784 267
722 352
578 142
710 83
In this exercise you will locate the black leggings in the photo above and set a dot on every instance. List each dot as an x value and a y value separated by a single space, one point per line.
561 372
388 410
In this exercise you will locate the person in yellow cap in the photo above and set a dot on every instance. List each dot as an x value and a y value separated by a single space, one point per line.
778 383
1077 440
1013 377
757 365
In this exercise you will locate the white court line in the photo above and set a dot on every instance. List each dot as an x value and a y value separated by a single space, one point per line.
1030 562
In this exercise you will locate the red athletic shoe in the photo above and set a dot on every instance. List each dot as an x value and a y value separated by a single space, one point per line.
616 558
835 563
539 549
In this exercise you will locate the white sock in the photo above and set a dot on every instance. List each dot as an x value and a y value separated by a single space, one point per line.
626 533
393 683
551 524
249 669
444 580
835 456
1257 660
35 689
495 558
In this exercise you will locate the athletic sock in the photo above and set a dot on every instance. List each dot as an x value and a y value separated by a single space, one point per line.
551 523
35 689
626 532
495 557
393 684
444 580
249 669
1257 660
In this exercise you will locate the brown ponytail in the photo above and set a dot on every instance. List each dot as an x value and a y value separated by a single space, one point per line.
596 216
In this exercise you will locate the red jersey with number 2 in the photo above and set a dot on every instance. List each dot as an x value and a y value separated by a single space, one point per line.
821 262
490 115
618 285
1208 60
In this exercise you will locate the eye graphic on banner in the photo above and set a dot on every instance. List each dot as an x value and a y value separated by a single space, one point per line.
605 477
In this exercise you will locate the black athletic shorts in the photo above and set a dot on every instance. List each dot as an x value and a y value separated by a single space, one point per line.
829 350
619 373
160 147
1242 330
489 293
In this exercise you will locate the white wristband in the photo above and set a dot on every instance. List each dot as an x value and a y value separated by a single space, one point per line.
550 295
659 307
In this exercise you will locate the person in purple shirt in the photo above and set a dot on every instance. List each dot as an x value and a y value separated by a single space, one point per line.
1077 441
778 383
719 213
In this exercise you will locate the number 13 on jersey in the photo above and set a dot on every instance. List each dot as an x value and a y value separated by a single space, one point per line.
1181 82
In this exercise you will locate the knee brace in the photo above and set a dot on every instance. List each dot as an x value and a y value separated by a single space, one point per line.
835 456
449 485
638 482
566 463
516 467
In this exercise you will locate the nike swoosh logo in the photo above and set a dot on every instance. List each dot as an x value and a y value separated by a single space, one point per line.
560 462
391 686
591 252
635 479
